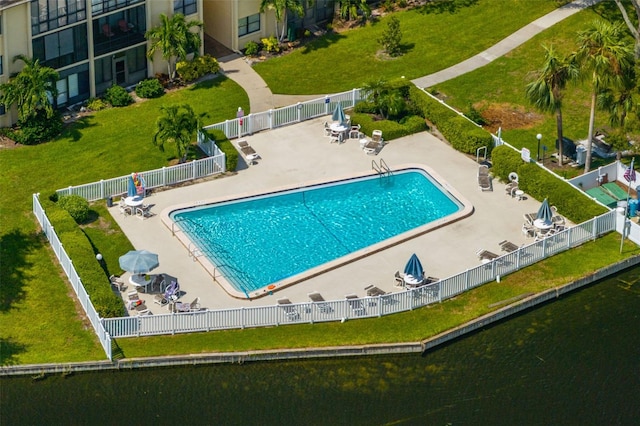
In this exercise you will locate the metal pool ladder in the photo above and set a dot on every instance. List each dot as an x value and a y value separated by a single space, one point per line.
382 168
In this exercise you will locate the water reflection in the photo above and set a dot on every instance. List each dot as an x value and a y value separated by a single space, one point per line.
574 361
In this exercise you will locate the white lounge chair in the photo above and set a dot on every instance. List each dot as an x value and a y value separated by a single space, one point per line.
289 309
375 144
355 303
319 302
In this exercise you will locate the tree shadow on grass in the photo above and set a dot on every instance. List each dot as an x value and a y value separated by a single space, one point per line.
208 82
446 6
14 248
8 351
322 42
74 130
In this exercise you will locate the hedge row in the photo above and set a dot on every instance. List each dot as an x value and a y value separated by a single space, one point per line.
462 134
541 184
79 248
390 129
225 146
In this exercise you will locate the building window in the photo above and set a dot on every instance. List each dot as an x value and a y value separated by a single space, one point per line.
47 15
1 68
2 110
62 48
186 7
99 7
249 24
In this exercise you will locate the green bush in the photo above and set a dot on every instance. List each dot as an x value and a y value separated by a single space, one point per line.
96 104
251 48
539 183
37 129
149 88
199 66
118 96
271 44
76 206
390 129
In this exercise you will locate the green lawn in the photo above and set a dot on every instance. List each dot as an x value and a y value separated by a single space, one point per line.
432 41
40 322
425 322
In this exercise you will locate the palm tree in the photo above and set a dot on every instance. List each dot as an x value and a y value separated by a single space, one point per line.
179 125
31 89
546 92
349 9
174 38
280 8
605 57
619 102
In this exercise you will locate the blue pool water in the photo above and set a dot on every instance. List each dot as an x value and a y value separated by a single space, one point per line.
261 240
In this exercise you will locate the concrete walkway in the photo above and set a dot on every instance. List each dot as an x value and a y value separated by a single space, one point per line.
262 99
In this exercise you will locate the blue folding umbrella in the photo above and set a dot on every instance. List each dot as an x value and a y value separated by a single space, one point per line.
338 115
414 267
544 213
131 188
139 261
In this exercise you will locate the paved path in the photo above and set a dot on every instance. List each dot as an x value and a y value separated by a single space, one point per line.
262 99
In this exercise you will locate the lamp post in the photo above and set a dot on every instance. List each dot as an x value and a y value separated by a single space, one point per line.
539 137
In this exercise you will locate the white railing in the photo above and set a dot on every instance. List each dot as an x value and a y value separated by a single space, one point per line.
291 114
166 176
74 279
365 307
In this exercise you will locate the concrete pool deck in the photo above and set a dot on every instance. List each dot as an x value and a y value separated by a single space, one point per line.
301 153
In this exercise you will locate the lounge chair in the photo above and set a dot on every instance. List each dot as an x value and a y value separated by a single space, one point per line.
431 280
483 170
375 144
355 303
507 246
372 290
486 255
319 302
170 294
250 154
289 309
484 183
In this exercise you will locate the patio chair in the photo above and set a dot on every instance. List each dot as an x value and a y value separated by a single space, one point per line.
170 294
354 133
375 144
483 170
511 188
528 230
124 208
194 306
484 183
319 302
289 309
327 129
399 279
143 212
117 283
355 303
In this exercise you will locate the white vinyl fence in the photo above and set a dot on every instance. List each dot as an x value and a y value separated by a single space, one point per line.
166 176
291 114
365 307
74 279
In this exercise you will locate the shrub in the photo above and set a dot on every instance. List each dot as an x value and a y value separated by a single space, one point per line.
199 66
390 129
251 48
307 33
37 129
271 44
391 38
149 88
118 96
76 206
96 104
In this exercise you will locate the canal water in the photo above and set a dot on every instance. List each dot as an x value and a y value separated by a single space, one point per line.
575 361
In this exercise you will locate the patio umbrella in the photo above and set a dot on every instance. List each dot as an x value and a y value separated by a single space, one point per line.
139 261
131 187
414 267
338 114
544 213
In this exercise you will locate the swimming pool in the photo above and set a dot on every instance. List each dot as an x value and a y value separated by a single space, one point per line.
264 242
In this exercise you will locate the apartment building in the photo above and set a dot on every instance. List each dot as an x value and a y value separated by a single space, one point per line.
94 44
